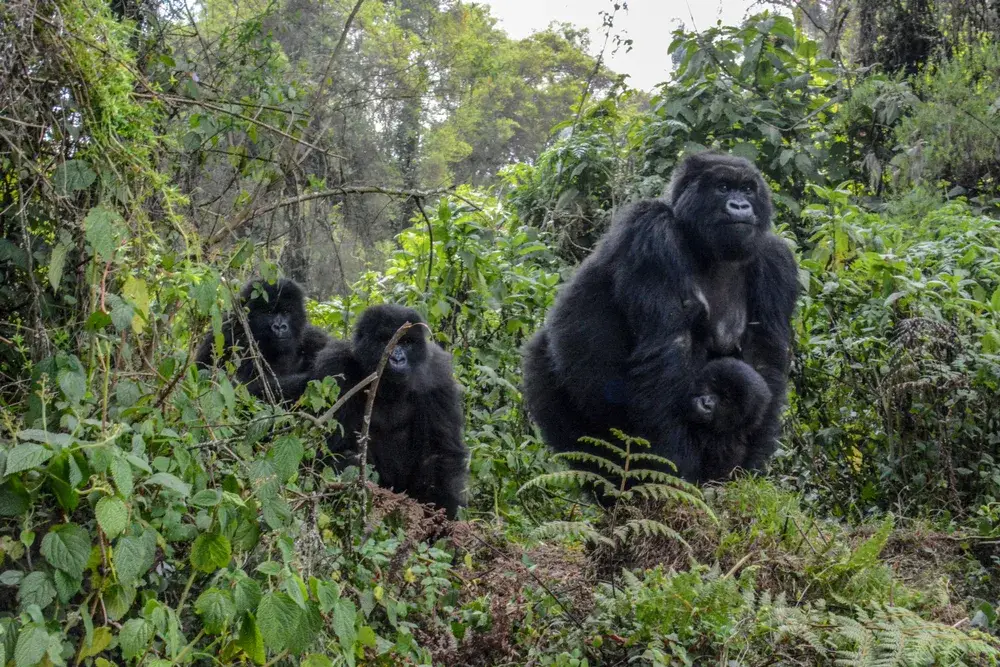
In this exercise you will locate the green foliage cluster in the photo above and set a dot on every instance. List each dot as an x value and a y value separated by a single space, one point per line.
151 515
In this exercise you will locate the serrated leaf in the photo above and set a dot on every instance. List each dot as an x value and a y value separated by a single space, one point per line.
100 641
32 643
67 585
72 175
135 637
277 614
73 383
101 227
250 640
121 472
207 498
57 261
112 516
36 588
210 552
246 595
217 610
118 599
26 457
67 547
171 482
344 616
287 453
136 292
133 556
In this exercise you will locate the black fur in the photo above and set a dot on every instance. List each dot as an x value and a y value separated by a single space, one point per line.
415 440
674 283
729 400
277 321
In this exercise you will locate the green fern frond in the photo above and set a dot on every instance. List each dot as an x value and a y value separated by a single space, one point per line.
619 452
584 457
564 478
570 529
653 458
672 493
647 528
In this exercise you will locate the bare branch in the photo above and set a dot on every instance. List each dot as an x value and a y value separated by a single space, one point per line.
221 235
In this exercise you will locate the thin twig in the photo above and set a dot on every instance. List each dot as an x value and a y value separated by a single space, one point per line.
221 235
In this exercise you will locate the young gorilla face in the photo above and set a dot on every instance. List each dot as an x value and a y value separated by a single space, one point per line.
374 330
277 314
723 204
728 396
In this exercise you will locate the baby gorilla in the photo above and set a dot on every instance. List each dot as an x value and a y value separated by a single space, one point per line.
277 322
729 399
415 438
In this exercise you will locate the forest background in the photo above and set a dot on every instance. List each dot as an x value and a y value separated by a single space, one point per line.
155 154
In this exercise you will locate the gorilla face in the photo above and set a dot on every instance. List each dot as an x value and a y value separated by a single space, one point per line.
277 314
722 204
375 329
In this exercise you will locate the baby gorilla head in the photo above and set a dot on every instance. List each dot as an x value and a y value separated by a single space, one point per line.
277 314
374 330
728 396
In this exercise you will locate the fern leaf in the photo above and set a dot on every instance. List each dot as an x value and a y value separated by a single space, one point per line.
585 457
570 529
565 478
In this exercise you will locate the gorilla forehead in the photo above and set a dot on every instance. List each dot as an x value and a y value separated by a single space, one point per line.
718 164
384 320
283 295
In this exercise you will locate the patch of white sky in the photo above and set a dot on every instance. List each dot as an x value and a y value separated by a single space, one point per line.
648 23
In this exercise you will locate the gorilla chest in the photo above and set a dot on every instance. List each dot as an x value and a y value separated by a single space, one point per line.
722 320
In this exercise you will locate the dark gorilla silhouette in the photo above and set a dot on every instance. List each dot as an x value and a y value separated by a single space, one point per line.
276 318
674 283
415 439
729 400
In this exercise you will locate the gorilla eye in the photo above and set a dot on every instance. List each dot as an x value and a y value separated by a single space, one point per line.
723 187
748 188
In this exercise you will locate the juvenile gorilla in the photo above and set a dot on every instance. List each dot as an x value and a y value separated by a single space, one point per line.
415 438
278 325
674 283
730 399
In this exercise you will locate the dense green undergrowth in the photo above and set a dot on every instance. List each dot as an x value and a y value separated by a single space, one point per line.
151 515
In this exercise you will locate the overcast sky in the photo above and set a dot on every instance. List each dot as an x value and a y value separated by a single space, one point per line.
648 23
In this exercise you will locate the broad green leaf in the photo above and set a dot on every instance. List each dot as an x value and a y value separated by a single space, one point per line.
344 617
121 472
217 610
71 176
118 599
207 498
67 585
246 595
32 643
287 453
277 614
210 552
102 227
316 660
250 641
72 382
67 547
133 556
135 637
57 261
26 457
112 516
101 640
172 482
36 588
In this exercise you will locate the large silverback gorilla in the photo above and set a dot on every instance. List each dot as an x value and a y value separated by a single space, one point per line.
675 283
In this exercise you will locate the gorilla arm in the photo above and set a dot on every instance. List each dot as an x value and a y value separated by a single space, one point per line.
650 284
773 289
445 464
